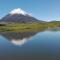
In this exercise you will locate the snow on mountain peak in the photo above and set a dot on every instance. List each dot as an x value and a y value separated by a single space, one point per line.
18 11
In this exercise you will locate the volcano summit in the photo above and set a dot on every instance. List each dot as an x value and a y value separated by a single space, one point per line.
19 15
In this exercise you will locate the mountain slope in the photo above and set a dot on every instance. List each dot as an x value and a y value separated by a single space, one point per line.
18 15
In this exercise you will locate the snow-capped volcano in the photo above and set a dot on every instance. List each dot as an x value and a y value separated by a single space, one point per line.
18 11
18 15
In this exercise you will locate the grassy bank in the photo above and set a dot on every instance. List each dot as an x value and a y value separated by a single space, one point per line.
28 27
53 24
21 27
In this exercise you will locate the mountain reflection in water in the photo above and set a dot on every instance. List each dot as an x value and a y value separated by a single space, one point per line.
43 45
18 38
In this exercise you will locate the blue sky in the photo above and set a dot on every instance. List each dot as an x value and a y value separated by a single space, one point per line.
41 9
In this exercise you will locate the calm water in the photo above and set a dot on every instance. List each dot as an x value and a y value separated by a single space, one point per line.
30 45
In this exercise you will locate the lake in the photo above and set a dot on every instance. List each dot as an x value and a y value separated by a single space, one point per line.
43 45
